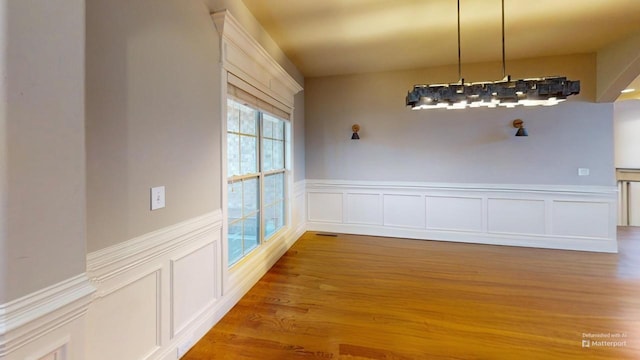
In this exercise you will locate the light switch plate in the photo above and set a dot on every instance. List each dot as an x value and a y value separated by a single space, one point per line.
157 198
583 172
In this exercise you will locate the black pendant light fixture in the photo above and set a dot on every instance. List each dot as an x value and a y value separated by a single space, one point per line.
545 91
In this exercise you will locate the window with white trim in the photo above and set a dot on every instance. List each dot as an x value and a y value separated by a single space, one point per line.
256 170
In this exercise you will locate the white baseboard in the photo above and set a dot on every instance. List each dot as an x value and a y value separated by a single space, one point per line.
556 217
29 324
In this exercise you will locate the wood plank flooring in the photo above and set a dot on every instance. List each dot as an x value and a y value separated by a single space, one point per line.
362 297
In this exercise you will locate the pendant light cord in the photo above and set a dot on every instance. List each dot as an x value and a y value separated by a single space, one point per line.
504 66
459 63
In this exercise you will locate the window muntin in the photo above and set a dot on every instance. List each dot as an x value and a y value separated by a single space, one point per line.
254 171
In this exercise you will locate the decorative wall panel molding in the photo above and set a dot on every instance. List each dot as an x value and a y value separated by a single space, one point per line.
557 217
28 321
109 262
156 294
189 290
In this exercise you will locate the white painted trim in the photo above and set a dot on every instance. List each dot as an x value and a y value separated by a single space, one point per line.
558 242
252 63
173 330
299 206
107 263
119 266
422 186
59 345
242 57
545 234
32 316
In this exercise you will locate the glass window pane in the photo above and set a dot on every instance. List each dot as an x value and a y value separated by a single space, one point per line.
279 214
248 118
249 151
234 201
278 130
268 188
279 186
233 116
250 196
278 155
235 242
267 155
269 221
251 233
233 155
274 218
267 126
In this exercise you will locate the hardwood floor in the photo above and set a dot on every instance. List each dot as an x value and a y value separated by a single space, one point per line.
361 297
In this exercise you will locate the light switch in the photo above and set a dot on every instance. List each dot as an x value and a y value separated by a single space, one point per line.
583 172
157 197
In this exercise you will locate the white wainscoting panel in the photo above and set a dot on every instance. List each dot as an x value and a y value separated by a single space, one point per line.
364 209
55 351
158 294
582 218
191 293
325 207
128 316
47 321
155 293
557 217
516 216
402 210
454 213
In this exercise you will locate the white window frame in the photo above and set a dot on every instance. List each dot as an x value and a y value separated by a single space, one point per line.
243 58
261 176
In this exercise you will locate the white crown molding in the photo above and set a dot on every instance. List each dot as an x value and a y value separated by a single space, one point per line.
109 262
242 55
43 311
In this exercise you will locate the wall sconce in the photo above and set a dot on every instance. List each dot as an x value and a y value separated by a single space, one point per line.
355 129
519 124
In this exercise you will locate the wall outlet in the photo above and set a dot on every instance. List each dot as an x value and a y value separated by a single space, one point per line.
157 198
583 172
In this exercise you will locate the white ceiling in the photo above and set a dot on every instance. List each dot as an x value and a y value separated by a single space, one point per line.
331 37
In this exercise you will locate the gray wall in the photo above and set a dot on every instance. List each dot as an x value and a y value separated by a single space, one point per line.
42 161
299 138
153 115
464 146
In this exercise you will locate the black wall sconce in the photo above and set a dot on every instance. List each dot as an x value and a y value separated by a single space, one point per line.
355 128
519 124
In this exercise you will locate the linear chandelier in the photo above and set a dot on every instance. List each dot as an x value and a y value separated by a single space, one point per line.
545 91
